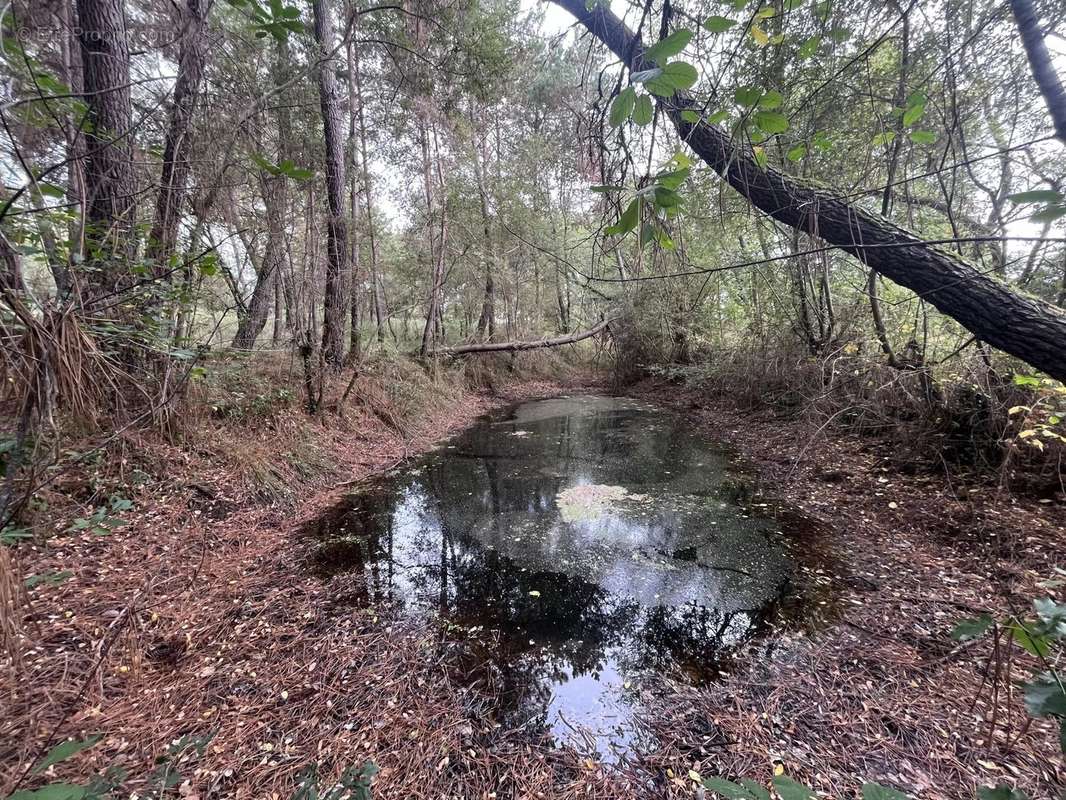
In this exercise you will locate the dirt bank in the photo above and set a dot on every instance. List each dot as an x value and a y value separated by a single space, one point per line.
199 616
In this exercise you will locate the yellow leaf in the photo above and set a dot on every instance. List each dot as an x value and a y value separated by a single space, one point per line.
1016 410
760 36
779 769
694 775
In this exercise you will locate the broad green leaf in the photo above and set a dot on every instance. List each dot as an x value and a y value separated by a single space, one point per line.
728 789
622 106
719 24
53 791
1000 792
676 76
914 109
1050 213
1035 196
628 221
884 138
797 153
1044 697
603 188
665 198
670 46
747 96
809 47
875 791
972 628
789 789
644 110
771 99
64 750
672 179
758 791
771 121
690 116
923 137
760 36
765 12
718 116
1031 641
760 156
1052 614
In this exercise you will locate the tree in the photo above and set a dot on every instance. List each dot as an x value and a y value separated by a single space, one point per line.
336 302
1027 328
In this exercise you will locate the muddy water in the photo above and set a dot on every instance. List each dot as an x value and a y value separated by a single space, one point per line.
583 546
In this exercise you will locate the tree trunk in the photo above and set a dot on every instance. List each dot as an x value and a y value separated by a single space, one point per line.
164 235
110 192
497 347
271 267
1029 329
336 298
1043 69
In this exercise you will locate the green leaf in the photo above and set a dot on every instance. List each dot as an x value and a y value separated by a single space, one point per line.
884 138
719 24
1050 213
64 750
602 188
48 578
789 789
728 789
676 76
760 156
875 791
747 96
923 137
914 109
758 791
622 106
666 198
690 116
628 221
761 37
1001 792
1035 196
972 628
1052 614
672 179
1030 640
50 189
1044 697
670 46
797 153
718 116
53 791
771 99
644 110
809 47
771 121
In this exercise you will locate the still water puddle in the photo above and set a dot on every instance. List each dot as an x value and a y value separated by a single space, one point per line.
592 543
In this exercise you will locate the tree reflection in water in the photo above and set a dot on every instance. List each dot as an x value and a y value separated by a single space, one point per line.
668 579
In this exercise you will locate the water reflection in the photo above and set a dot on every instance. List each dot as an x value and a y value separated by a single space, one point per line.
652 569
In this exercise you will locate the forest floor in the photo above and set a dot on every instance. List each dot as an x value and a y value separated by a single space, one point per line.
199 617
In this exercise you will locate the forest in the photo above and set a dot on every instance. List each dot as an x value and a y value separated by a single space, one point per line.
532 399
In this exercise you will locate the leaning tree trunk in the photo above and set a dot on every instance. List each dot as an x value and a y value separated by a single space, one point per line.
267 282
110 209
335 303
1029 329
1040 63
164 236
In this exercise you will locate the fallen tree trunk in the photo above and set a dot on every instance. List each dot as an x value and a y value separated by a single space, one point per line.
496 347
1025 327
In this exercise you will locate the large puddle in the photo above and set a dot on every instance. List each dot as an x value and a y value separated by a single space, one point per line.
582 545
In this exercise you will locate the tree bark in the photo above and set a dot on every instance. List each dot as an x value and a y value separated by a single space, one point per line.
110 208
336 299
1040 63
1029 329
496 347
164 235
270 269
